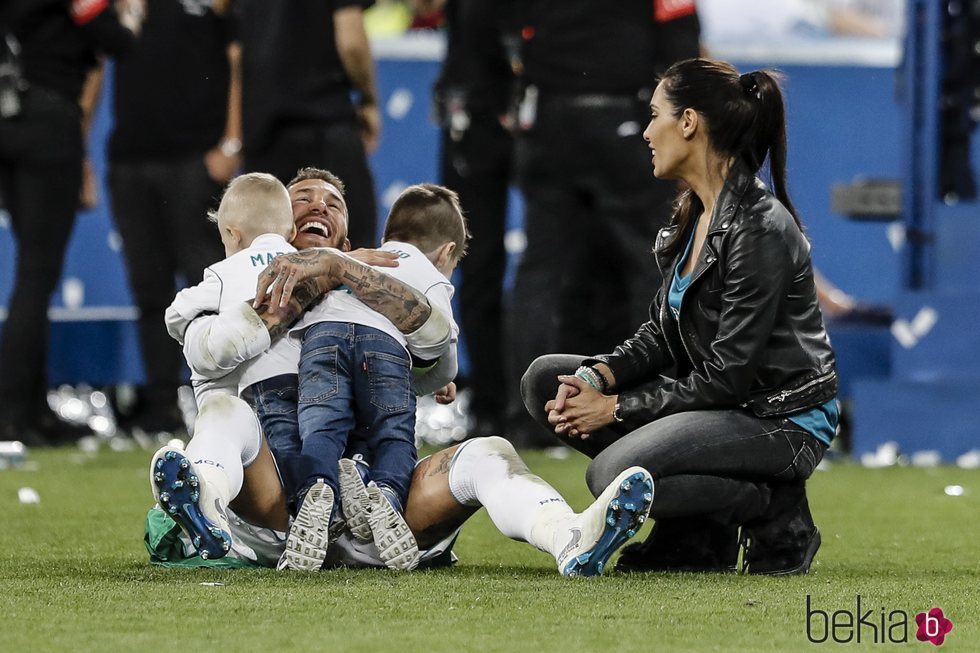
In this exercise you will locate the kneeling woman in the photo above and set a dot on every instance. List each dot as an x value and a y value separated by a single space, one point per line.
727 395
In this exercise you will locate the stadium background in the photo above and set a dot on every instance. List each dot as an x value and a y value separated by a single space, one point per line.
73 570
849 119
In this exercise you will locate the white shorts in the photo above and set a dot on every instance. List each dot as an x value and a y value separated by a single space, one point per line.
264 546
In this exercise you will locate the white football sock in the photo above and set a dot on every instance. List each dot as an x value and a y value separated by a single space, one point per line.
227 438
523 506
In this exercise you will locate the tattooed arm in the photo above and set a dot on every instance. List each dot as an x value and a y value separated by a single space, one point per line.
293 277
305 292
278 322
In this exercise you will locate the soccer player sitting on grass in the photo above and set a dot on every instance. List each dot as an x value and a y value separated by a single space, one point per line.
446 489
255 219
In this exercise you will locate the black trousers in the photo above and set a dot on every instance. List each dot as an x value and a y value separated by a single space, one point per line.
160 209
477 166
593 209
336 147
40 177
722 464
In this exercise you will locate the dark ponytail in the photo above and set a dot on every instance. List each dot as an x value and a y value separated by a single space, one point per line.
746 119
767 133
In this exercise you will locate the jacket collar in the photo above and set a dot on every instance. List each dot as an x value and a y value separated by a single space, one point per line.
740 178
736 184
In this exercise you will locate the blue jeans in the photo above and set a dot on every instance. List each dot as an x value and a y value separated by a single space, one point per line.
355 375
723 464
274 403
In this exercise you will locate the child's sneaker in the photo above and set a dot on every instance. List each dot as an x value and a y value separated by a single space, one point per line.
393 538
354 500
309 537
596 533
191 501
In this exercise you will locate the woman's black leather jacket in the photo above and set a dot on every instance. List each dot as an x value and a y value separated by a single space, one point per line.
749 334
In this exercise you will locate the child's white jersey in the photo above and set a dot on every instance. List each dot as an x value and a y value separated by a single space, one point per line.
415 270
223 354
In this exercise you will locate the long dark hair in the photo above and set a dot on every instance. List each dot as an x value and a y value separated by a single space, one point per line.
746 119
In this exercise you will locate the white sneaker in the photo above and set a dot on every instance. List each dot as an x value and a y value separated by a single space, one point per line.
597 532
309 537
191 501
393 538
355 500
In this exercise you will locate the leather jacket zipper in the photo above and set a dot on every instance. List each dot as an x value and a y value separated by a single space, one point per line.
780 397
663 305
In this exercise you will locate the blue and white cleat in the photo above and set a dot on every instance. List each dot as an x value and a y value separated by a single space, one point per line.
612 519
190 501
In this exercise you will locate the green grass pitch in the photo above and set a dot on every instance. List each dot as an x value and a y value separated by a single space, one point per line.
74 577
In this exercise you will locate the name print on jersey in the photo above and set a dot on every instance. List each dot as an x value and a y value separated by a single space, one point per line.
264 258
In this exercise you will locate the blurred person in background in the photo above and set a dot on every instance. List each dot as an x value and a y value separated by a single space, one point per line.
774 20
54 44
176 141
300 63
472 97
588 71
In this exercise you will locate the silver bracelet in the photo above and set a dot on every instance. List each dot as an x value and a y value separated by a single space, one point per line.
592 376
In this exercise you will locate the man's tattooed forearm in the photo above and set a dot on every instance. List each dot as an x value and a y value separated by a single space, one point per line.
280 327
306 257
306 292
407 308
278 322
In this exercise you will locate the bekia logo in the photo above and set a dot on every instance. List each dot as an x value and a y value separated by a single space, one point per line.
933 626
874 625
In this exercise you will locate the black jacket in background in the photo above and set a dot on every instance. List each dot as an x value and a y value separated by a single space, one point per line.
171 90
750 331
476 63
58 48
601 46
291 71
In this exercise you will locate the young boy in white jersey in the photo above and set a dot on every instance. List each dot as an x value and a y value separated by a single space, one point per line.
255 221
355 370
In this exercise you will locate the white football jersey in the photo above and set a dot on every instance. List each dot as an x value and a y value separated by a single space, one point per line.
226 286
414 269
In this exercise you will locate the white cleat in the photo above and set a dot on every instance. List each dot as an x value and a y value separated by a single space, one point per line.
306 545
598 532
355 501
392 537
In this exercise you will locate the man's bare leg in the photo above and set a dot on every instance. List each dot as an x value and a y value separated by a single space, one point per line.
432 512
452 484
262 500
